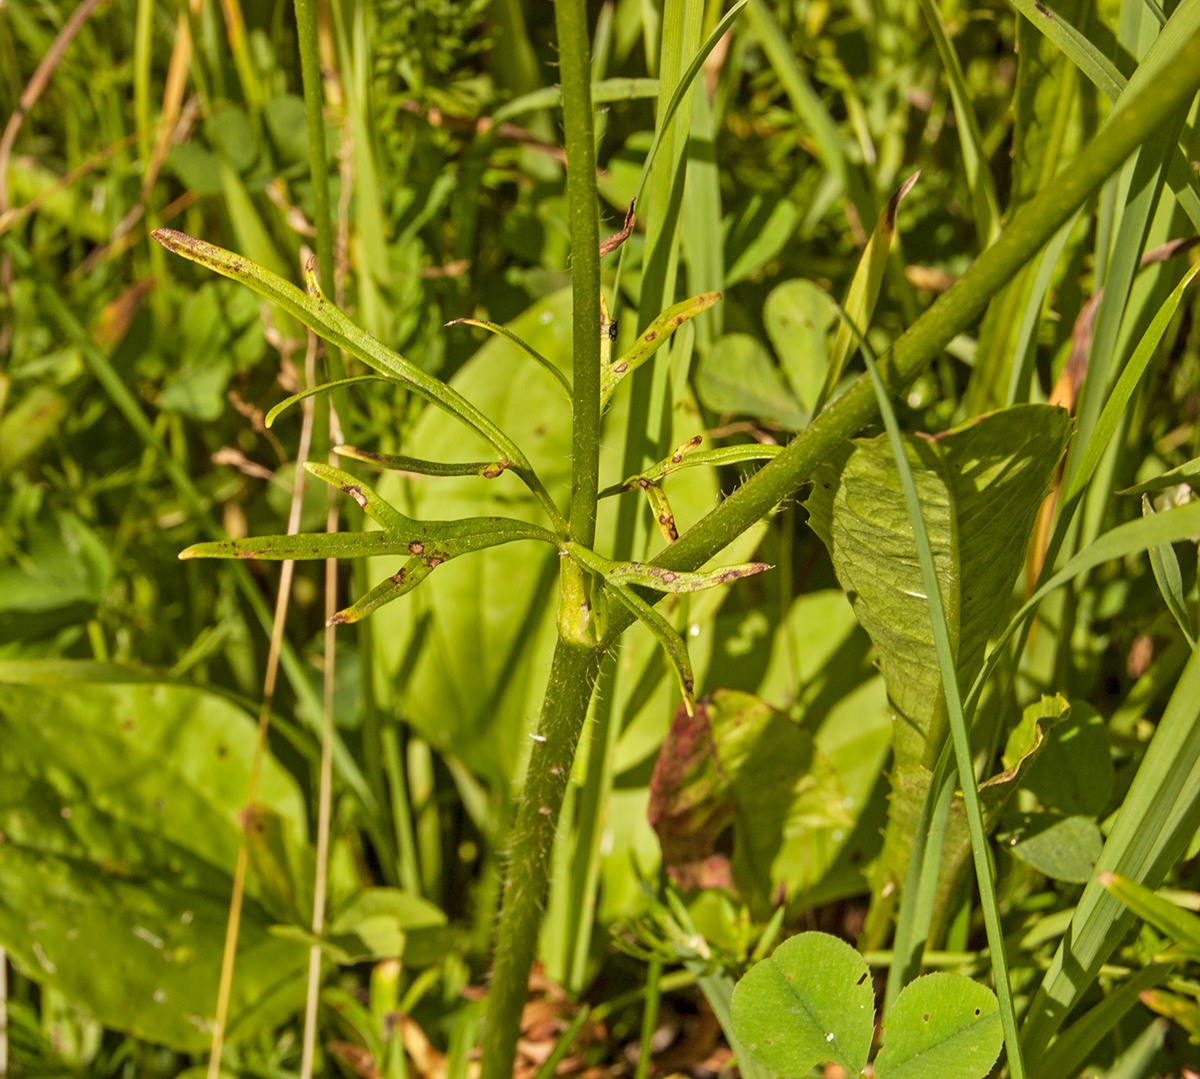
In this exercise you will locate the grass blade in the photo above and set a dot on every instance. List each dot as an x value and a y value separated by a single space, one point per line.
1157 819
864 291
1165 567
958 723
980 184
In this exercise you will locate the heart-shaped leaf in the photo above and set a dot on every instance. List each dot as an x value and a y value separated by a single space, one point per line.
810 1003
943 1026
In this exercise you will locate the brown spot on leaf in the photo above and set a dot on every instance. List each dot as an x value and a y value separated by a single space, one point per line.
416 548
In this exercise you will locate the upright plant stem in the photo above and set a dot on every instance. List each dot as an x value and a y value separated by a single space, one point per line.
583 219
568 692
576 659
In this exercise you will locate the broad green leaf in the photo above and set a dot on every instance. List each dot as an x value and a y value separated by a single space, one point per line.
1063 848
863 293
943 1026
739 761
798 316
64 562
756 233
119 805
652 339
810 1003
1181 926
980 486
387 923
737 376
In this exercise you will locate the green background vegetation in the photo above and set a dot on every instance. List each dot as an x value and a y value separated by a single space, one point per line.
1032 264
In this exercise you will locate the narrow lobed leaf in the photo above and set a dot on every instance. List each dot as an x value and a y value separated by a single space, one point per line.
489 470
652 339
312 391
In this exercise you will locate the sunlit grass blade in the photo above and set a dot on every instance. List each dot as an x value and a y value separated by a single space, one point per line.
978 172
529 350
1165 567
1071 1048
663 122
1188 472
1123 391
327 387
1024 350
652 339
667 636
667 113
826 139
1120 542
1106 77
324 319
954 706
1156 821
1171 920
1094 64
489 470
863 293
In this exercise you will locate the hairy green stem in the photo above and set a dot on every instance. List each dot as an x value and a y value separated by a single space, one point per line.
568 693
576 659
570 18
